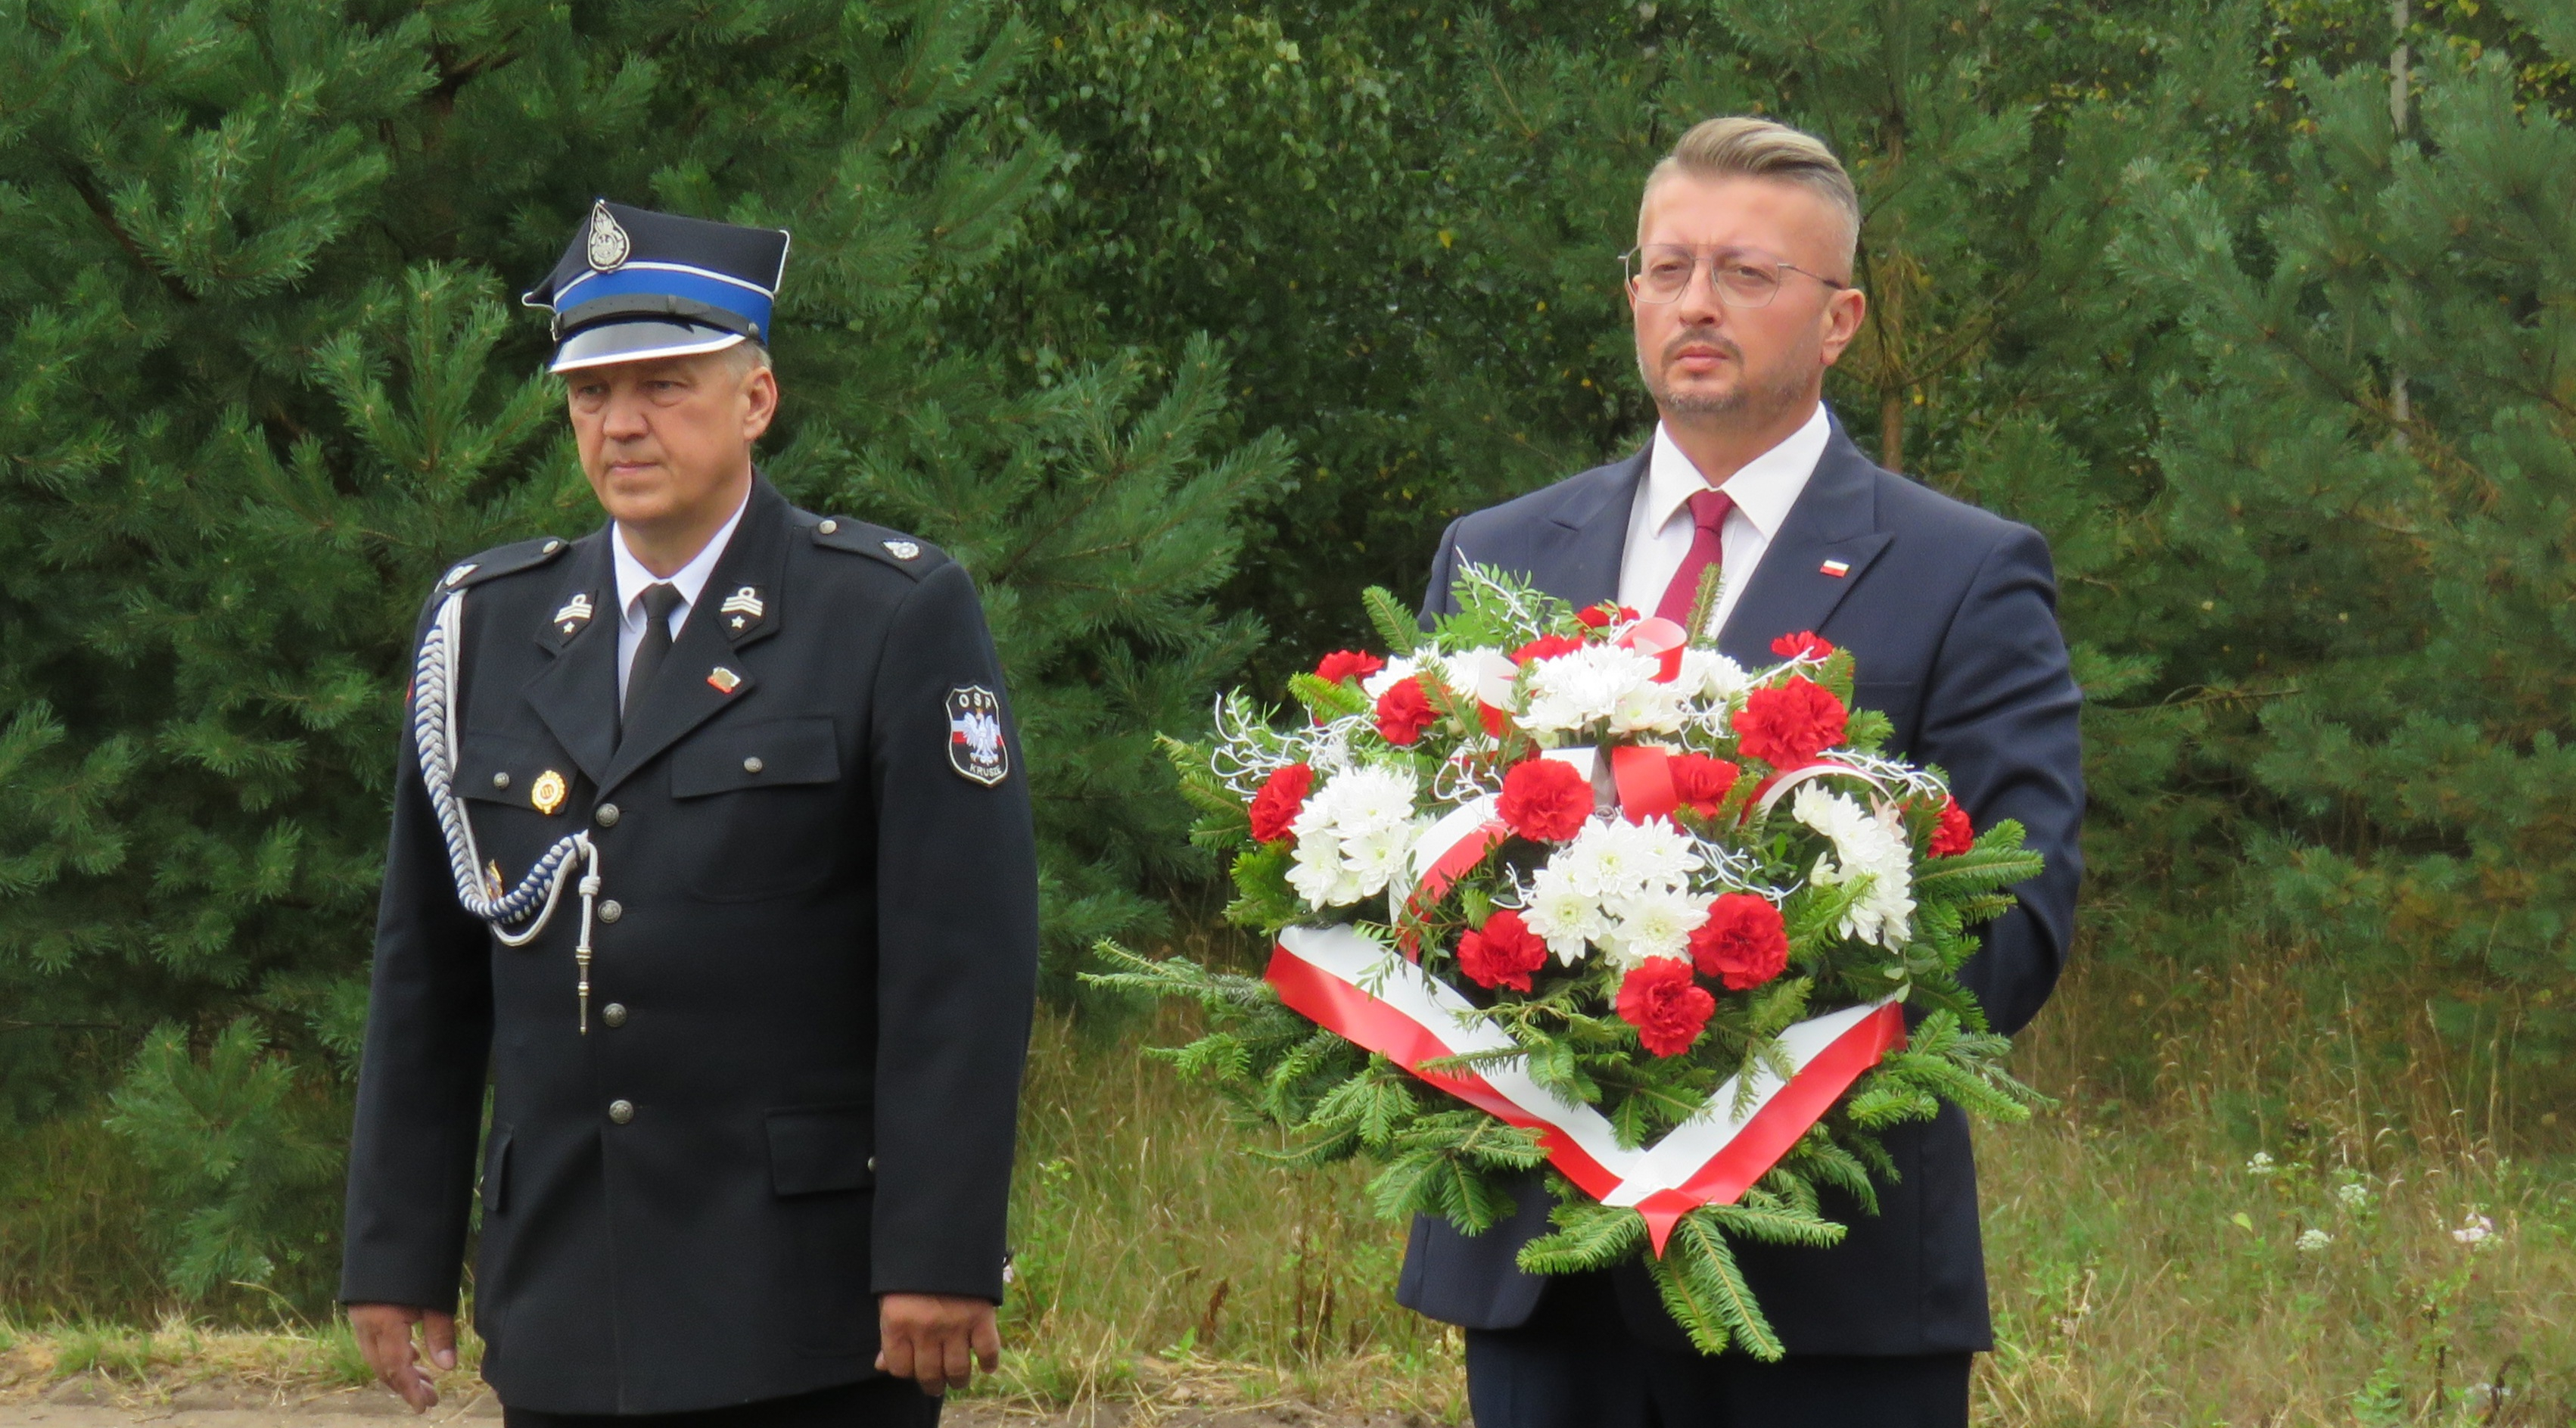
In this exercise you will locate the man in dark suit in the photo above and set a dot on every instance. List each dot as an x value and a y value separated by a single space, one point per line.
1740 292
752 1015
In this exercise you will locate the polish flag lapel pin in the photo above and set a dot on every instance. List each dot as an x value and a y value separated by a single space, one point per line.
1836 568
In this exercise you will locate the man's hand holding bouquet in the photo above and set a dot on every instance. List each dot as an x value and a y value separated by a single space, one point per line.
1564 886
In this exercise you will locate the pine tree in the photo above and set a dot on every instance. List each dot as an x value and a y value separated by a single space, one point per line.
2371 474
263 380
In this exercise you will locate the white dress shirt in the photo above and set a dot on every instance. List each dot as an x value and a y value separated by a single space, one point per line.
690 580
1660 525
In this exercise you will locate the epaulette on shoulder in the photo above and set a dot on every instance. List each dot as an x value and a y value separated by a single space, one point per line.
502 560
910 554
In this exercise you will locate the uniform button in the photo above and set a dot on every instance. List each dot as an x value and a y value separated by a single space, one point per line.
614 1014
752 764
606 817
872 1165
828 527
611 910
500 780
621 1111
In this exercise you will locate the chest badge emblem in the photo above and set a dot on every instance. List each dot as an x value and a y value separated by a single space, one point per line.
976 748
547 793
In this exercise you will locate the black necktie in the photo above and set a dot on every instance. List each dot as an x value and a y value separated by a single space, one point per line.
659 602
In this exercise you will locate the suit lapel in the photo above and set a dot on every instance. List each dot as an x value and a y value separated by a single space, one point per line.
1575 553
705 671
1823 547
576 692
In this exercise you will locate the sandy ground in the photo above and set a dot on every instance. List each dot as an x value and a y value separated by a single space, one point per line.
87 1403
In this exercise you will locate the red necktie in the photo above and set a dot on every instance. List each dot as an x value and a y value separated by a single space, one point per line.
1708 552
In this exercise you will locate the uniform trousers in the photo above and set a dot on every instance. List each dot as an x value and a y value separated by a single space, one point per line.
1576 1364
870 1403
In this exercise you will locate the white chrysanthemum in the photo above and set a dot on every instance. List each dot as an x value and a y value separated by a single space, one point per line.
1614 859
1710 675
1868 846
1352 835
1649 708
1583 687
1458 671
1655 923
1566 916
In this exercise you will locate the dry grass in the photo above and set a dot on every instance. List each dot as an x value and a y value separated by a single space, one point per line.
2143 1273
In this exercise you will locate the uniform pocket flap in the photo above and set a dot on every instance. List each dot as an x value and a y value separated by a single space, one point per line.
818 1148
497 768
768 754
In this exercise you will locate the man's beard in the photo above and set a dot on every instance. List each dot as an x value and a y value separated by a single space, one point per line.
1753 402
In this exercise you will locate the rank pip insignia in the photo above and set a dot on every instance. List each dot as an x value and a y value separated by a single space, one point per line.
575 613
547 793
975 745
741 606
902 549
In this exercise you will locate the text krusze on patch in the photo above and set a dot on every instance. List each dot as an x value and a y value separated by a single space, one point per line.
975 746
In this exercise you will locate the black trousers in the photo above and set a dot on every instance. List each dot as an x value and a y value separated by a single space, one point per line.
1576 1364
869 1403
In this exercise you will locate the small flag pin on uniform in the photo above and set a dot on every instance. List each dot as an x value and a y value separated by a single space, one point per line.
724 680
1836 568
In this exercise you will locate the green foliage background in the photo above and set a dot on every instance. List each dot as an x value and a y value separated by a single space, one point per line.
1180 323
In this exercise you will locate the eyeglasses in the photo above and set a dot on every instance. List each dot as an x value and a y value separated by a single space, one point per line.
1661 272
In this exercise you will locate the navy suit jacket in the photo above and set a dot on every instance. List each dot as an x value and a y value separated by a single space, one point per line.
1951 615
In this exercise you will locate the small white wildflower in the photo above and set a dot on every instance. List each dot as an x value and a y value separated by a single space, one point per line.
2261 1164
2475 1232
2312 1240
2354 1195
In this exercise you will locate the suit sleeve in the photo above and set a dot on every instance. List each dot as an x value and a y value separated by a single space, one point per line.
420 1079
2000 717
1440 597
957 946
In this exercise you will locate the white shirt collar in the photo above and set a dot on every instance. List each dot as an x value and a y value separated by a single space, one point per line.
690 580
1764 489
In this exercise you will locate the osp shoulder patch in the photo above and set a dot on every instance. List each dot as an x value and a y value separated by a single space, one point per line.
976 748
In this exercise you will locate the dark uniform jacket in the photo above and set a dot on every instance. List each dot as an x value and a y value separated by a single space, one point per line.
815 957
1951 615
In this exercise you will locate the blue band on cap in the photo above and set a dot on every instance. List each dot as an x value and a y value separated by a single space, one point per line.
733 297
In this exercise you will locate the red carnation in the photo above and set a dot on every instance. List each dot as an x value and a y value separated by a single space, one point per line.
1956 834
1503 954
1743 944
1546 647
1666 1007
1281 798
1545 800
1404 711
1347 664
1791 724
1701 782
1806 644
1604 615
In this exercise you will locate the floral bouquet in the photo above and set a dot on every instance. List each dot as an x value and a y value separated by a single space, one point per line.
1567 887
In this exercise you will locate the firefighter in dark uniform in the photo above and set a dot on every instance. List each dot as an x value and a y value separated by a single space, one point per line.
712 858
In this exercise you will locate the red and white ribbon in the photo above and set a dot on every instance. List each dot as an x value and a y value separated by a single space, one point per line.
1362 991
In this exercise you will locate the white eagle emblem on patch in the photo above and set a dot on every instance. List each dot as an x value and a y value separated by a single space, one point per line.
976 748
609 245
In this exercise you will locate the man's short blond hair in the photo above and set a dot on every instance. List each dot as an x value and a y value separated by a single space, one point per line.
1740 146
